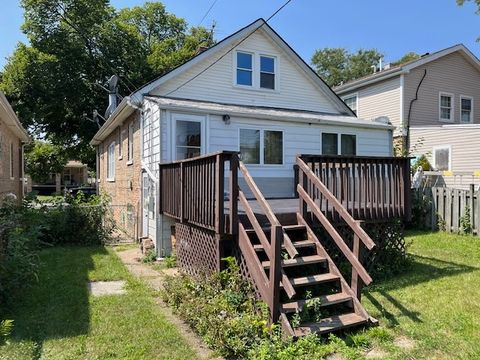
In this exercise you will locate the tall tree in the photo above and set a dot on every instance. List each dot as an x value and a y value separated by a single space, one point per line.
337 65
76 45
406 58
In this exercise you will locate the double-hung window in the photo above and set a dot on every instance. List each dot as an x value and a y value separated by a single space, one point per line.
331 144
12 162
244 69
267 72
261 146
446 107
111 162
466 109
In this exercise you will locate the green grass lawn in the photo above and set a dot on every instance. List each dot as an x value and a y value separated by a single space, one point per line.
57 319
436 302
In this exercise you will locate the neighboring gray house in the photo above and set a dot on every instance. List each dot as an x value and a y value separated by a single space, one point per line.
250 93
434 103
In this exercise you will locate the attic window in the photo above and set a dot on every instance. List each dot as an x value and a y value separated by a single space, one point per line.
267 72
244 69
351 102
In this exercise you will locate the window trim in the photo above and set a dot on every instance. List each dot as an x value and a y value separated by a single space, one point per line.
262 144
12 173
202 119
351 95
339 142
130 142
471 110
452 108
256 71
111 158
252 54
439 147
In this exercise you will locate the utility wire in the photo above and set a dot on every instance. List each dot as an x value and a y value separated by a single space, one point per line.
208 11
229 50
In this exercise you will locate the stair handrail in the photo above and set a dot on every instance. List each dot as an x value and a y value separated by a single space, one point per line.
359 234
354 224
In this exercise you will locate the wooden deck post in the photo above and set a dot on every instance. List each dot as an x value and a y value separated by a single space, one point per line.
356 283
472 208
219 196
275 275
233 194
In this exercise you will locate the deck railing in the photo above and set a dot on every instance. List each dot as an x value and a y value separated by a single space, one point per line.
370 188
193 190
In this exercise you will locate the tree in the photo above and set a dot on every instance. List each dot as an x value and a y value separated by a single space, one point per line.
76 45
406 58
43 159
337 65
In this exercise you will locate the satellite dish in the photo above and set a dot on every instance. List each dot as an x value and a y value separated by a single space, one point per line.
113 83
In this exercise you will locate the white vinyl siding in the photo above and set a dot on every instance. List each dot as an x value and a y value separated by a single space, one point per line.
111 162
293 88
446 107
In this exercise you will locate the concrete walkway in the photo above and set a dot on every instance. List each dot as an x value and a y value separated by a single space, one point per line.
154 279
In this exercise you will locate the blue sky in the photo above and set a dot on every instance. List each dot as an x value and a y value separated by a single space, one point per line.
392 27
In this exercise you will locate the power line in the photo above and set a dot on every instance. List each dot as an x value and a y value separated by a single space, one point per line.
208 11
228 52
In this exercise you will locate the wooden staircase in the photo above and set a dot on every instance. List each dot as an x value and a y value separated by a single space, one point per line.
292 269
311 272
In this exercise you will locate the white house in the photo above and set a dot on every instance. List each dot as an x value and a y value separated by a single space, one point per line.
251 93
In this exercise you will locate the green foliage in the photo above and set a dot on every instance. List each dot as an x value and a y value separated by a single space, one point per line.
43 159
310 311
221 309
149 257
337 65
465 221
406 58
423 162
421 207
441 223
170 261
6 327
76 44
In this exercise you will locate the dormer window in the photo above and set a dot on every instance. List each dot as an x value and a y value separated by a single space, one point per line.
267 72
244 69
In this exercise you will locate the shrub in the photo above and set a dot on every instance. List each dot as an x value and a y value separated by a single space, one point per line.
421 207
423 162
149 257
465 221
6 327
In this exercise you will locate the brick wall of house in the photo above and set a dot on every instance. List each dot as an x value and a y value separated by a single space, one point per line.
9 183
125 189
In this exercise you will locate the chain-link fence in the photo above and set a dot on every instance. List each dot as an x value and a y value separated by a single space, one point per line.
126 218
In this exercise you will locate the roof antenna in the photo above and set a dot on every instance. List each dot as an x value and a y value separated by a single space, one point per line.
112 95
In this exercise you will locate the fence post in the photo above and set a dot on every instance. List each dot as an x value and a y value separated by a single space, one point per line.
408 190
356 283
275 272
472 209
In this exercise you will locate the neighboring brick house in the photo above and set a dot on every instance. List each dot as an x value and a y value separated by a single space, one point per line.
119 172
12 138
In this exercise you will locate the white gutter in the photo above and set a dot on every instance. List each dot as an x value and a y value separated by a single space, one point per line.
11 119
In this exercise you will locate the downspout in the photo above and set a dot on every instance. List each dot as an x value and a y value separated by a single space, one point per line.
407 140
97 170
22 164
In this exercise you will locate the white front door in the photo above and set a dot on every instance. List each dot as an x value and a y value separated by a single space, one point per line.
145 197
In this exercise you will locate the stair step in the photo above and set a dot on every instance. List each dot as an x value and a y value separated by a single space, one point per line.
294 227
325 300
329 324
314 279
303 260
297 244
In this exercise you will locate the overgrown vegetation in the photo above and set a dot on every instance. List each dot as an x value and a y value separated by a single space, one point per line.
423 162
466 221
222 309
27 227
421 207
